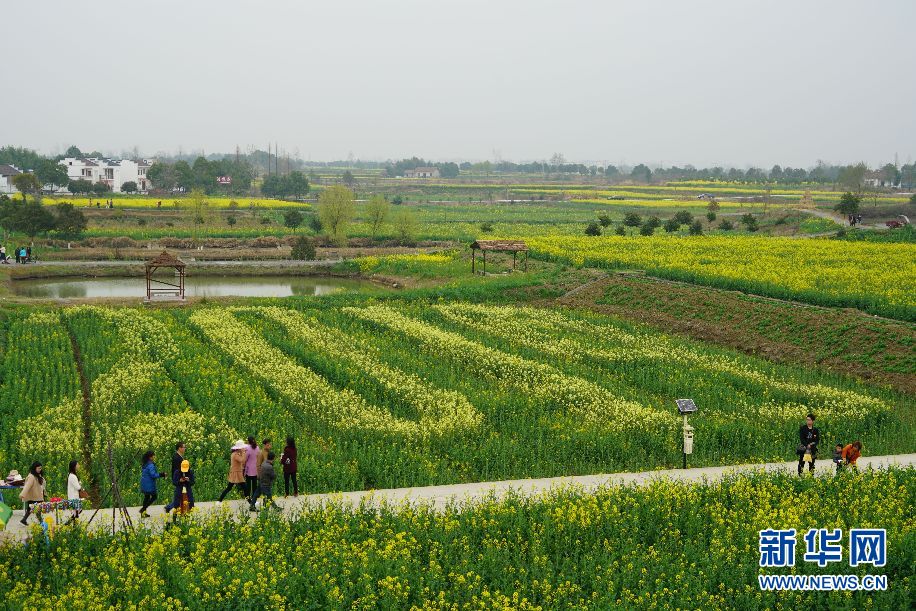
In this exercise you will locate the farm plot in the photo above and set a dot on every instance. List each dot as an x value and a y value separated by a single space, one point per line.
877 278
399 394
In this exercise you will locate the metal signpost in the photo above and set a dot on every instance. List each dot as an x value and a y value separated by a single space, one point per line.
686 407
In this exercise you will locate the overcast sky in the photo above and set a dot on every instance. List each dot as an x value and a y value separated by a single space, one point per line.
704 82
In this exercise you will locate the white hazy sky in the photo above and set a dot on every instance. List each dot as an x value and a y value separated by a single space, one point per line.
705 82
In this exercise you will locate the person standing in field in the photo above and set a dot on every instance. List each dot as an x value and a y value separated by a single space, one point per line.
851 454
290 468
266 477
251 466
149 475
808 438
236 471
33 491
266 447
177 459
74 487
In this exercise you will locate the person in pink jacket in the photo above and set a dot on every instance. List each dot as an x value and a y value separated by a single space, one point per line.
251 467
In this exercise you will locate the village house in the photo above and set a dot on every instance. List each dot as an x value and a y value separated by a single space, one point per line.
112 172
6 178
422 173
878 178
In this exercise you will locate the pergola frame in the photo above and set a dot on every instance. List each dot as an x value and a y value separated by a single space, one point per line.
161 287
513 246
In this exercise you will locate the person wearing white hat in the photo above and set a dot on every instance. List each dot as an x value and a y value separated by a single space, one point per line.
236 471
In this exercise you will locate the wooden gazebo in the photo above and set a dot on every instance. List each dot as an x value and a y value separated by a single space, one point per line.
161 287
513 246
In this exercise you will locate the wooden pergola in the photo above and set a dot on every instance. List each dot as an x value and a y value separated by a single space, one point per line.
513 246
161 287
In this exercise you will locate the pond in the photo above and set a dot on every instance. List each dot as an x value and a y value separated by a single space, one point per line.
195 286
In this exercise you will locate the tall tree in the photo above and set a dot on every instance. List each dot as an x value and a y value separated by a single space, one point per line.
297 184
32 218
49 172
336 209
852 177
405 226
376 212
848 204
891 173
26 183
161 175
641 173
184 176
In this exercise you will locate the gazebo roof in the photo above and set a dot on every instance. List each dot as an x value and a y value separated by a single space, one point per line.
503 245
164 259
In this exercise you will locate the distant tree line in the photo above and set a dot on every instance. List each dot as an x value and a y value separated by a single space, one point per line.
397 168
295 184
202 174
850 176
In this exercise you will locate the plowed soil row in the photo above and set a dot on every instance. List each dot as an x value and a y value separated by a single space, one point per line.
841 340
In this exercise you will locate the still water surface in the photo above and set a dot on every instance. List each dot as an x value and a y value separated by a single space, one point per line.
195 286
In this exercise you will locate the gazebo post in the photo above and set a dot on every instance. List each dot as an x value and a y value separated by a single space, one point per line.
473 260
513 259
484 263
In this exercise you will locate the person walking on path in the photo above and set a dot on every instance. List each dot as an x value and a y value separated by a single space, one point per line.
149 474
851 454
177 459
251 466
266 477
33 491
236 471
808 438
74 488
290 468
184 481
266 447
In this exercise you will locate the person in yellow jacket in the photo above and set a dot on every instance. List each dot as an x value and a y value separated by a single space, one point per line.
33 491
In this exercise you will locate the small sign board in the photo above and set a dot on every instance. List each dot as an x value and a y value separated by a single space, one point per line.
686 406
224 180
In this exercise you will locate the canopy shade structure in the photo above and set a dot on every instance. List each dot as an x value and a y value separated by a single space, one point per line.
513 246
161 287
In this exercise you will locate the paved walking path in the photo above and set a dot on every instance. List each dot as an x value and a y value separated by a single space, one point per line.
440 496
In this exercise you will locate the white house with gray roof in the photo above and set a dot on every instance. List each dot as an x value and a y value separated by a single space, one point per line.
112 172
6 178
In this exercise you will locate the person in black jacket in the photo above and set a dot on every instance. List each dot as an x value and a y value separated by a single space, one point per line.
808 438
176 465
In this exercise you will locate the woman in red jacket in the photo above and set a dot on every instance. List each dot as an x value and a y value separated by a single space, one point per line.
288 460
